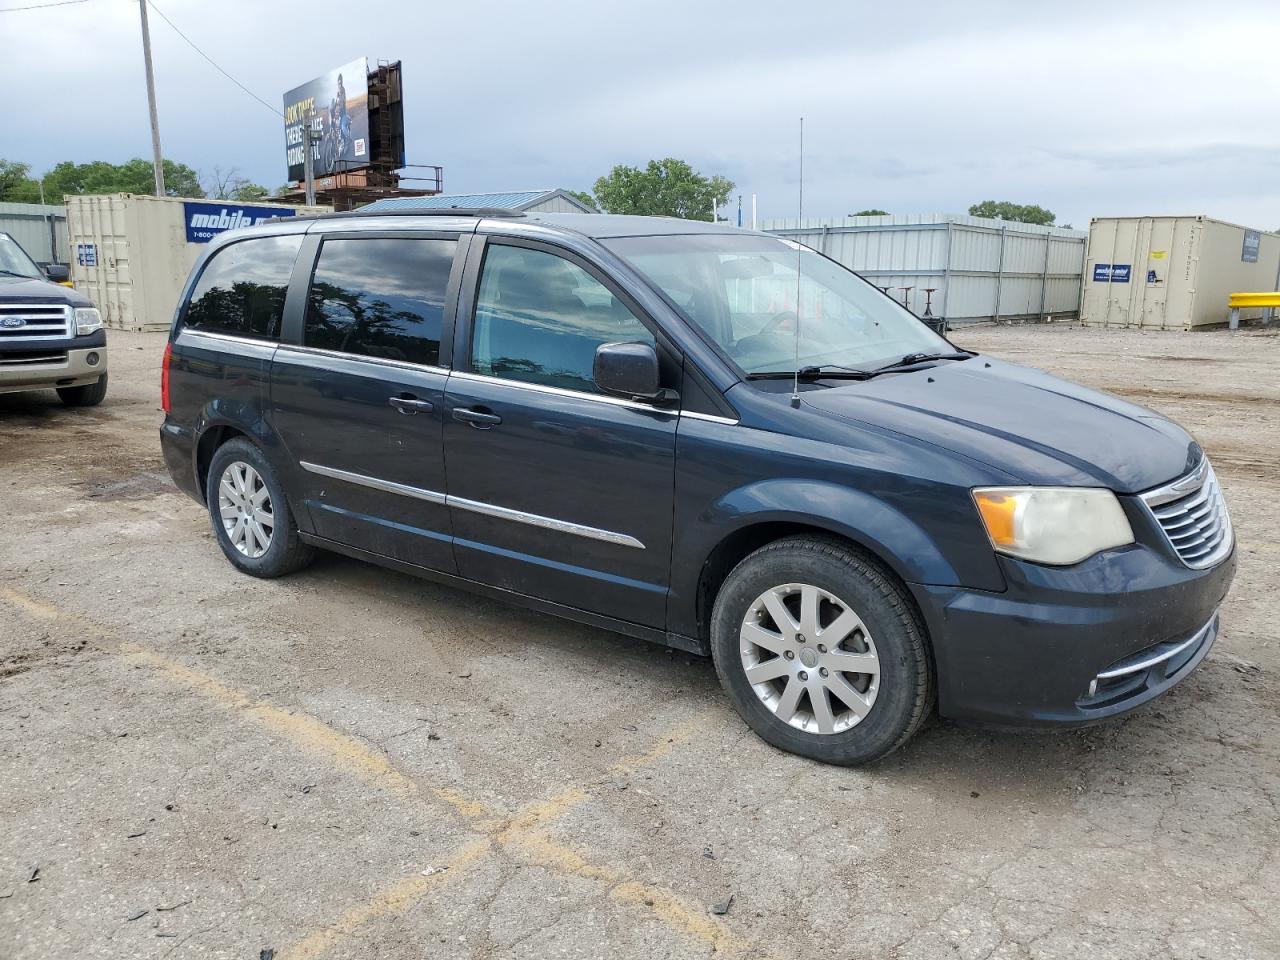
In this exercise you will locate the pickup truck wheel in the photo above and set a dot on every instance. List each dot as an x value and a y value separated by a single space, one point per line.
821 651
90 395
251 517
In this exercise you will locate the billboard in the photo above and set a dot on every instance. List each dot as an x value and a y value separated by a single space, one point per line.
206 220
337 105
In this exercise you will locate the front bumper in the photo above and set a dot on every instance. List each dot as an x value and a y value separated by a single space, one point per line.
55 366
1071 646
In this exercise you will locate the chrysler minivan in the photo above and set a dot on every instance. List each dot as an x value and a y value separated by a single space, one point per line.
703 437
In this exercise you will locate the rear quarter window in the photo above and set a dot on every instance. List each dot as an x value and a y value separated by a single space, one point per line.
242 288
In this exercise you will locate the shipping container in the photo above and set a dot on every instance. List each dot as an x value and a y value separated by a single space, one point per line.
1173 273
131 253
966 269
39 228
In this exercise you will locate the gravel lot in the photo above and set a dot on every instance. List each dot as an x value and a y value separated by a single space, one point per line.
354 763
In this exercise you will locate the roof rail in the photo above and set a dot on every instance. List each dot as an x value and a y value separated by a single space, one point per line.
406 212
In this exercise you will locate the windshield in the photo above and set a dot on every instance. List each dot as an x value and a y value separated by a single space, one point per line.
741 290
14 260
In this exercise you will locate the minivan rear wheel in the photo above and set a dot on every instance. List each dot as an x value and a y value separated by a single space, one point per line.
251 517
821 651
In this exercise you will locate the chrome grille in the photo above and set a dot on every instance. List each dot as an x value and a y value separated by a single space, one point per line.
1193 515
24 322
32 359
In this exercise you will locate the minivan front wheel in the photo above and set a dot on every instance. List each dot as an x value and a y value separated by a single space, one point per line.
251 517
821 651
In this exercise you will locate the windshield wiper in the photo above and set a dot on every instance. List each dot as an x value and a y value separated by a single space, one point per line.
828 371
833 371
912 359
14 273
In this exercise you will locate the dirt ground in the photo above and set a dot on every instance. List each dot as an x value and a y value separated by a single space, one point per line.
354 763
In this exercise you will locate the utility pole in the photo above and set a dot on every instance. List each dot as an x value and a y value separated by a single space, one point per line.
158 160
308 160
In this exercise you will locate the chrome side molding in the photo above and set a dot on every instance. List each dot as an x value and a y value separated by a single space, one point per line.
476 506
386 486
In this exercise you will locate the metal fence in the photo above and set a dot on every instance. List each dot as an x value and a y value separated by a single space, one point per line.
41 230
966 269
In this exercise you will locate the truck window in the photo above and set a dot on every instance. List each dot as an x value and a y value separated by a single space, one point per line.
382 298
241 290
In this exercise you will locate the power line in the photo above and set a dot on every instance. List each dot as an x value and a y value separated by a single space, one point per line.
193 46
42 6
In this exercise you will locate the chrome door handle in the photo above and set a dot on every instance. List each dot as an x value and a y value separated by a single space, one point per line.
410 405
476 418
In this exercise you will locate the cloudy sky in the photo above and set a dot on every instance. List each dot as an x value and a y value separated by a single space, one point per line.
1090 109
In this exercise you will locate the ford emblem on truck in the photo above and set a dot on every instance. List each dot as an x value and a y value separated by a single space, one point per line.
12 323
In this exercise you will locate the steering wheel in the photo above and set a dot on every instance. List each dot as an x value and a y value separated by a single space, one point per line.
776 322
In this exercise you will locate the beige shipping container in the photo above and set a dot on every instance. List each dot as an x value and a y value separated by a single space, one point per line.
130 253
1172 273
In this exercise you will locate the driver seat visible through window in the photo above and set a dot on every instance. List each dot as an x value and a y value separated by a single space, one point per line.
540 318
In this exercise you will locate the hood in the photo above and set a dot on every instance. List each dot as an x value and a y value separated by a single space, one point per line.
1021 421
39 291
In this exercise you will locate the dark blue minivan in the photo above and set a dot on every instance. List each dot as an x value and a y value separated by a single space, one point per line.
704 437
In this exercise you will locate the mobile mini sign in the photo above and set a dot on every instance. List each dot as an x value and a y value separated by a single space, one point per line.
1112 272
206 220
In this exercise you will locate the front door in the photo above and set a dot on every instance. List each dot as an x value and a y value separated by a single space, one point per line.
556 490
359 402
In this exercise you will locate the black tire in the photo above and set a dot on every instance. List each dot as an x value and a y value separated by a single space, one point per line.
904 699
90 395
286 553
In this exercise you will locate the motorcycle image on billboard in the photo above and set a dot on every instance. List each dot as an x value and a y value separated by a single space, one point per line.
337 106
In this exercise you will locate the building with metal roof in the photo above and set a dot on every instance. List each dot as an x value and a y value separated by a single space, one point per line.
520 201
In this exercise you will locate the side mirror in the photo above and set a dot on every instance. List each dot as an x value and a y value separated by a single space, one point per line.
58 272
628 370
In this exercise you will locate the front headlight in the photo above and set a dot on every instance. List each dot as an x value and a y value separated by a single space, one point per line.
1055 525
88 320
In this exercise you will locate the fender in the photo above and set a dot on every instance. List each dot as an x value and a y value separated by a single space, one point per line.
850 513
916 554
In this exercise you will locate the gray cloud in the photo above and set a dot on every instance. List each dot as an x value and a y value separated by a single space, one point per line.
1088 108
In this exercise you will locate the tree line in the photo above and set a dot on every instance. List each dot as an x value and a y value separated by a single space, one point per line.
662 188
17 185
672 188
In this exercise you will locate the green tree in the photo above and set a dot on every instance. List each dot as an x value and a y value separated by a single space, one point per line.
664 188
16 183
585 197
1005 210
133 176
870 213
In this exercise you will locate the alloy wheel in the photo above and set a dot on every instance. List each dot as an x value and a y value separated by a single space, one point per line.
809 658
244 505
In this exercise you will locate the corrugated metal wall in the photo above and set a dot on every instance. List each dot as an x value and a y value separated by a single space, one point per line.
29 224
978 269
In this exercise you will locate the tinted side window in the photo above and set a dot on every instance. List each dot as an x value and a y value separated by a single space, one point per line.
242 288
539 318
380 298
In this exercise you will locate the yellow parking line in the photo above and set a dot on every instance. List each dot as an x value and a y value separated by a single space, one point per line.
691 920
524 832
33 607
346 751
390 902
